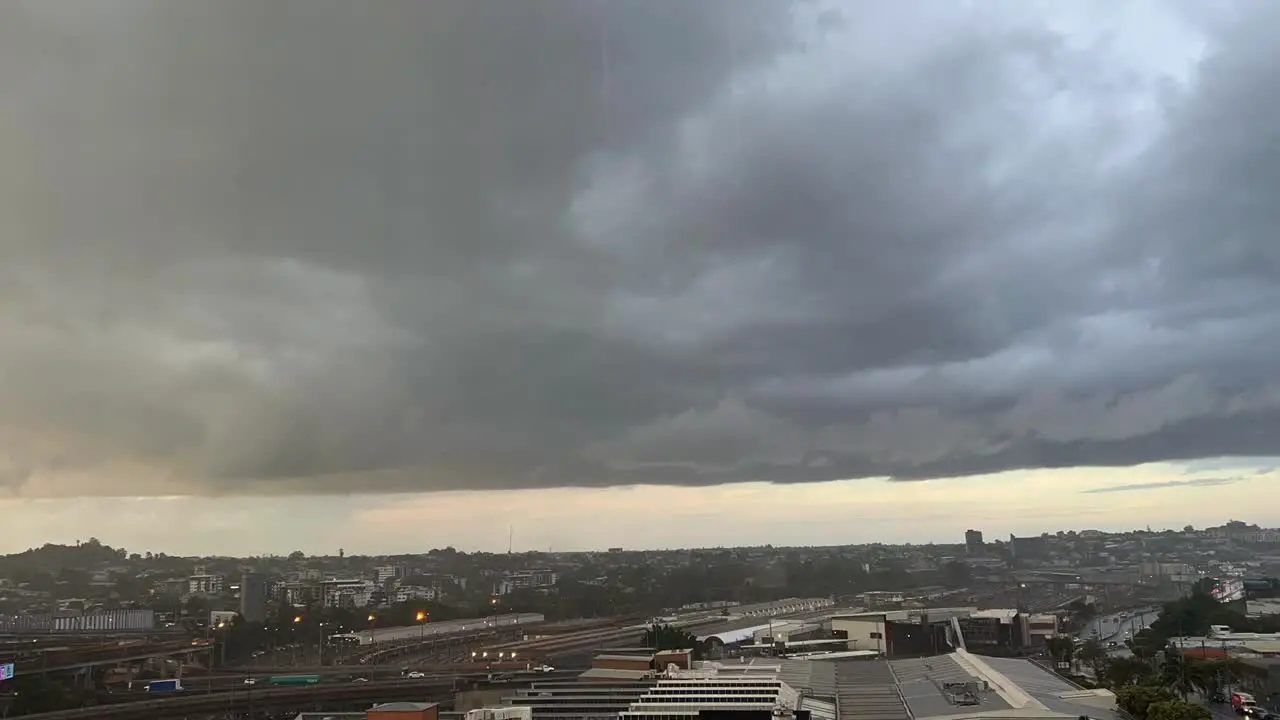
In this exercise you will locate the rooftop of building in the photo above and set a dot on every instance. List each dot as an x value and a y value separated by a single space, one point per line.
1007 614
954 686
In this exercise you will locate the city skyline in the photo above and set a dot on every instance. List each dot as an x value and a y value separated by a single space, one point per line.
841 513
625 272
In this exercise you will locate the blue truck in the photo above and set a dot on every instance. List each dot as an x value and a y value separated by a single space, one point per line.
164 686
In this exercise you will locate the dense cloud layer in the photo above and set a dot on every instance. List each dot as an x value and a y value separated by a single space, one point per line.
321 246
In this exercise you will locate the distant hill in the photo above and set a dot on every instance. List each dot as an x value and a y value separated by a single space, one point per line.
52 558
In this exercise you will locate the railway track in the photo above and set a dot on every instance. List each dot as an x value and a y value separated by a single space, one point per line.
182 705
603 637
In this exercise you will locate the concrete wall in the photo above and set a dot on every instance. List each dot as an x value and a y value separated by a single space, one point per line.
865 633
476 699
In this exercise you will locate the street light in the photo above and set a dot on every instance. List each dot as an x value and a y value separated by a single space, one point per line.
421 617
297 620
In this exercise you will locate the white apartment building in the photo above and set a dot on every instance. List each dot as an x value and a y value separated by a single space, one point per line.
388 572
347 593
205 584
416 592
526 580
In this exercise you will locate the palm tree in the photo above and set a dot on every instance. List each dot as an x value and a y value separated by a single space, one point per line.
1176 673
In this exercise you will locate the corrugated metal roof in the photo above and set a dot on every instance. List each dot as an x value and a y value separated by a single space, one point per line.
819 679
1053 691
865 690
820 709
922 683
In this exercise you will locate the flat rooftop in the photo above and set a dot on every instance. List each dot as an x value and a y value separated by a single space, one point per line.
945 687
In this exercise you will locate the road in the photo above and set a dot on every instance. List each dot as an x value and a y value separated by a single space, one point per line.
1114 627
228 682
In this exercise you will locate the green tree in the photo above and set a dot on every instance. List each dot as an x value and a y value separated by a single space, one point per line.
1122 671
197 607
1093 654
37 694
1177 710
1178 674
1081 609
666 637
1145 645
1062 649
1136 699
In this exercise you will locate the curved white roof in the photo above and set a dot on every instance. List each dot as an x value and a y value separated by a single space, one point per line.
730 637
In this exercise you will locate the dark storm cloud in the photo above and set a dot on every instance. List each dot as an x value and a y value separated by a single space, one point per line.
315 247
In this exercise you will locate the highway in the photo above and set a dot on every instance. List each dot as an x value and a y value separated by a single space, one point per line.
446 627
185 704
550 647
373 640
570 644
108 655
228 682
1113 627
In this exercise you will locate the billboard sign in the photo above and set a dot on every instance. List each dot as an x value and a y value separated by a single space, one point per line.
6 671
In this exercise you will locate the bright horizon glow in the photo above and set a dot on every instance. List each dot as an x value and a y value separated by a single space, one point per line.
649 517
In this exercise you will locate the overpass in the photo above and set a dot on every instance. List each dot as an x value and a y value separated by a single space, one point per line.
375 636
182 705
109 655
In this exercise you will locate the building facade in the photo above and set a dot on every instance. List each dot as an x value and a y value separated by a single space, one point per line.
253 597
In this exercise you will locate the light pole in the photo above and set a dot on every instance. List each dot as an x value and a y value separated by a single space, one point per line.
320 647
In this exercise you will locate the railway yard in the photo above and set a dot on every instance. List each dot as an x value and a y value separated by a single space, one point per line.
420 665
433 663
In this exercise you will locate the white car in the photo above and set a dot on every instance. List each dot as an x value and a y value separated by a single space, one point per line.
543 668
416 675
250 681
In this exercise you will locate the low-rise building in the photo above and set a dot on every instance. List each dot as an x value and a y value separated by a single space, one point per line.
205 584
539 579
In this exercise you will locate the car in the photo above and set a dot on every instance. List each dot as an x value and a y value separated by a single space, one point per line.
360 679
1218 697
250 681
416 675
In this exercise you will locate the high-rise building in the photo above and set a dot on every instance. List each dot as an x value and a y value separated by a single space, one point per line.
253 598
973 541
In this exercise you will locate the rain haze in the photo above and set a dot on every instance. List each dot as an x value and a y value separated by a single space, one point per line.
313 273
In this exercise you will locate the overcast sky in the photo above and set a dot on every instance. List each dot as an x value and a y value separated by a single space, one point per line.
386 255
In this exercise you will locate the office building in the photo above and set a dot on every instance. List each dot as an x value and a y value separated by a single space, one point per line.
253 597
973 541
